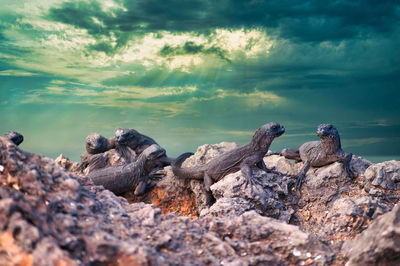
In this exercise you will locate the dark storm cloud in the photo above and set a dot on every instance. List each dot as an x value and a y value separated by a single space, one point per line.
313 21
191 48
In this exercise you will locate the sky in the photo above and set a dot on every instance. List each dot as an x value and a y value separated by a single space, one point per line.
192 72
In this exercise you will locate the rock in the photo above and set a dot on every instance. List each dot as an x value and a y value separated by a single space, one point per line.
267 196
384 175
202 156
281 164
255 237
331 205
379 244
48 218
67 164
229 207
171 194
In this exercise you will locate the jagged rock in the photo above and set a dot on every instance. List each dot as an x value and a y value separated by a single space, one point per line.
171 194
229 207
202 156
67 164
331 205
48 218
252 235
384 175
268 196
379 244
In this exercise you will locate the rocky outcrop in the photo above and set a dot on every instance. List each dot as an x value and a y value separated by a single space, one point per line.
50 216
384 175
379 244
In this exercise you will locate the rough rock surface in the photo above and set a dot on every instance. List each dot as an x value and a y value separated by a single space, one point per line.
67 164
52 217
49 218
379 244
384 175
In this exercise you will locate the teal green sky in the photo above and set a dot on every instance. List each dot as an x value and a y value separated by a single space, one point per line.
198 71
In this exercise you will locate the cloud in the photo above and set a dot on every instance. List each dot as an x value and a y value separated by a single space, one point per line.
16 73
305 20
191 48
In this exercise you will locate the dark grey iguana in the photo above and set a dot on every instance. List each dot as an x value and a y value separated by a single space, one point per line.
133 139
138 142
95 143
15 137
102 152
241 158
124 178
320 153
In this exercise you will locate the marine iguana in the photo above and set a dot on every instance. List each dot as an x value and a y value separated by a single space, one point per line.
102 152
15 137
241 158
320 153
96 143
121 179
138 142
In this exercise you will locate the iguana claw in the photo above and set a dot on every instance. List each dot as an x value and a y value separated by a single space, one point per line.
299 182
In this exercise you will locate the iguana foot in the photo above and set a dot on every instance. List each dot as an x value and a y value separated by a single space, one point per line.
157 174
351 174
253 183
210 200
144 187
299 182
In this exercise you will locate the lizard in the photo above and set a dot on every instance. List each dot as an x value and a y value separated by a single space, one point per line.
15 137
139 142
320 153
240 158
95 143
123 178
102 152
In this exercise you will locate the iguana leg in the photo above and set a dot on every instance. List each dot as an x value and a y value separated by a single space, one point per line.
293 154
207 181
262 166
301 175
247 174
346 165
210 200
157 173
141 187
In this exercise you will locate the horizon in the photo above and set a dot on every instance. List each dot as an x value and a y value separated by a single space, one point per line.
196 72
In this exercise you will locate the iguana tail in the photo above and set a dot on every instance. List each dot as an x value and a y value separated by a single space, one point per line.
178 161
189 172
291 154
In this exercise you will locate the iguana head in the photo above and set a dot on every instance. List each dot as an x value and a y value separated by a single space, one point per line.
15 137
126 135
95 143
266 134
327 130
153 152
329 135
